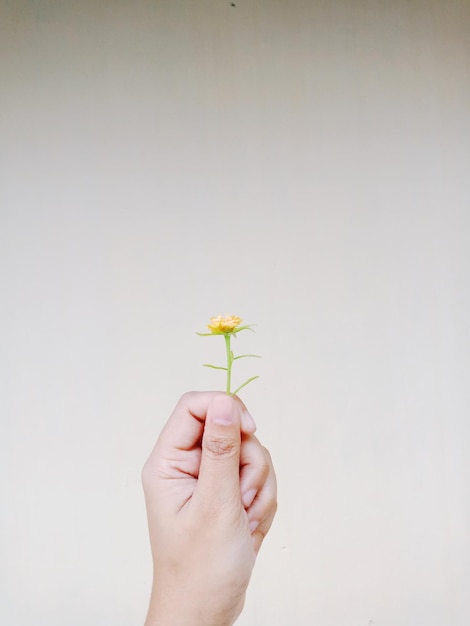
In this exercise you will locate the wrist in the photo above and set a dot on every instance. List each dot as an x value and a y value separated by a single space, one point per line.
170 609
174 618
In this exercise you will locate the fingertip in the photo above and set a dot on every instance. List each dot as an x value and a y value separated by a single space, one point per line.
253 525
223 410
248 497
248 423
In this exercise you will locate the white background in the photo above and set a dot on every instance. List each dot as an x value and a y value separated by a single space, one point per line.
303 164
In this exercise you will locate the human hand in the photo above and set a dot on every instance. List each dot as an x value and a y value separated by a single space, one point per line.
210 493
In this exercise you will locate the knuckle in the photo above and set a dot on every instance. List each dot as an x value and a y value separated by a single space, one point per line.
145 475
186 398
264 470
217 447
267 454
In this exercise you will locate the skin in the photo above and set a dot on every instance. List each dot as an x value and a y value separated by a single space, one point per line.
210 492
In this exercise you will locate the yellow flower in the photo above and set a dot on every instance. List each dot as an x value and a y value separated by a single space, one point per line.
228 325
224 323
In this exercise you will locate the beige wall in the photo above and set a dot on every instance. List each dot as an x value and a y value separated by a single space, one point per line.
303 164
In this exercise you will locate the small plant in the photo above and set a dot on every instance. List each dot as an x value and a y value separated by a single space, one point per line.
229 326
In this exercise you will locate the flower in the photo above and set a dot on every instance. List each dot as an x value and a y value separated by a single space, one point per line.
224 324
228 325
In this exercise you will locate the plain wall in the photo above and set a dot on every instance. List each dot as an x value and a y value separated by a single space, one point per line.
303 164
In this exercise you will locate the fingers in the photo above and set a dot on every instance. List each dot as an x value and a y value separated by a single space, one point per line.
263 508
218 482
254 469
185 426
258 487
209 437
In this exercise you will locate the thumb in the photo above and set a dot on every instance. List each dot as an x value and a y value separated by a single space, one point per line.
219 473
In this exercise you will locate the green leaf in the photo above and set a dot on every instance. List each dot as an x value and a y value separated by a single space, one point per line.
244 385
207 334
243 356
214 367
240 328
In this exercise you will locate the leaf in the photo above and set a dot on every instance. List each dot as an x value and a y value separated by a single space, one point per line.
214 367
244 385
243 356
240 328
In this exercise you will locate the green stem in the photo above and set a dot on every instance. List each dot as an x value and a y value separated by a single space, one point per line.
229 363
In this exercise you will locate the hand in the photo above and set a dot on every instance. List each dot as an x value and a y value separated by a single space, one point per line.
210 492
